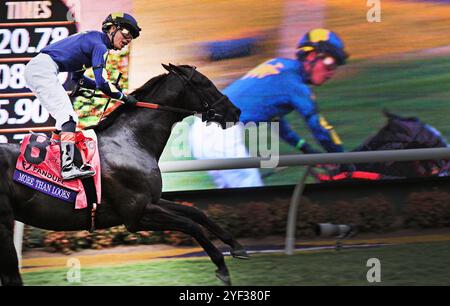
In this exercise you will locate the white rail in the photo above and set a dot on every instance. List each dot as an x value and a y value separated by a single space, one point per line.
307 159
18 240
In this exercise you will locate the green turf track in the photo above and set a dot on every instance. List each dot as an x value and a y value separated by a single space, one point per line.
412 264
353 102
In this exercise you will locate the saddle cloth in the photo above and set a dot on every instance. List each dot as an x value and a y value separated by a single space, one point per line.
39 167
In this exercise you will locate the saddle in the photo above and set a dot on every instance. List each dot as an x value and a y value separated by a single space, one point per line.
39 167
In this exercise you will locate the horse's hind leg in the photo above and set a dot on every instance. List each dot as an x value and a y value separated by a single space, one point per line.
9 265
156 218
196 215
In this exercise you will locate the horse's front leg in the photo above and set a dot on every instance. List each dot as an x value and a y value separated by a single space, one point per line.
157 218
9 266
196 215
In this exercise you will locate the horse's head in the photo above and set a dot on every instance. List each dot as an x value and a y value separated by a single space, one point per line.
202 96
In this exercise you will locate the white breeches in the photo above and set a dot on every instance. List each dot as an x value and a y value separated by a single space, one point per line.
210 142
41 76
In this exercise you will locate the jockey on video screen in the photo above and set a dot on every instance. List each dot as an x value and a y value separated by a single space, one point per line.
269 92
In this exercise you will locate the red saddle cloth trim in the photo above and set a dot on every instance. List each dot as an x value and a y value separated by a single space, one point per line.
50 169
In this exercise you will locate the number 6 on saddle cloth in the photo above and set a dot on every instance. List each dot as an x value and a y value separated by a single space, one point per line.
39 167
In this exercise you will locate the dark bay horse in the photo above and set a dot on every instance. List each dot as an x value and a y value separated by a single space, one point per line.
130 141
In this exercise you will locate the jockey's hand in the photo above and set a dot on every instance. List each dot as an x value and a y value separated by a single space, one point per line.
347 168
308 149
329 169
76 88
129 99
334 169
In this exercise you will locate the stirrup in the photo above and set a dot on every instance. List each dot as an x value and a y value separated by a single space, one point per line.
88 167
77 173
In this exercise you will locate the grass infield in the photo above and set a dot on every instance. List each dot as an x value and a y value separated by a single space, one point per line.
411 264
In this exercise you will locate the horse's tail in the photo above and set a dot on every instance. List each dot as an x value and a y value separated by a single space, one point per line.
9 152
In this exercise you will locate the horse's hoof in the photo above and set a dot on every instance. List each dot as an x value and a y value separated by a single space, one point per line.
10 281
224 277
240 254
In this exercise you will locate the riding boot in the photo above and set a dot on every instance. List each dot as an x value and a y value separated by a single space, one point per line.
68 169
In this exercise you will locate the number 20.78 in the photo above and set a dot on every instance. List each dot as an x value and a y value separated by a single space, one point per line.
18 40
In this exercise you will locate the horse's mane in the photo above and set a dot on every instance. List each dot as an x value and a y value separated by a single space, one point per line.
146 90
150 87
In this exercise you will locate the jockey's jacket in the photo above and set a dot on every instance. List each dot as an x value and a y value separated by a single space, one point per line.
271 91
81 51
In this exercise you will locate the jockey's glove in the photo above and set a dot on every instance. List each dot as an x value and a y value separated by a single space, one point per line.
76 89
347 168
308 149
129 99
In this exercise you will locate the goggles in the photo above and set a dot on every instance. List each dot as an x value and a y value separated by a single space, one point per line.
126 34
329 62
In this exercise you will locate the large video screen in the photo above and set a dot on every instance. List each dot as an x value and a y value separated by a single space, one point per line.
392 93
283 64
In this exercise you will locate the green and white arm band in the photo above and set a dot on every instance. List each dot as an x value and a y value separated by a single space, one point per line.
300 144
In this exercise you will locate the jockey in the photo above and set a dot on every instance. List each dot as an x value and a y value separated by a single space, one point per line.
279 86
274 89
75 54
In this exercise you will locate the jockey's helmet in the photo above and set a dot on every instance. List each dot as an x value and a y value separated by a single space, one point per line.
122 21
322 41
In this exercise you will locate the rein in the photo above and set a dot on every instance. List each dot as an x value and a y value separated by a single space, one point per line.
165 108
87 94
209 112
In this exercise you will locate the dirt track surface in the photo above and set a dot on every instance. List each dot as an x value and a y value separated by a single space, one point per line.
38 260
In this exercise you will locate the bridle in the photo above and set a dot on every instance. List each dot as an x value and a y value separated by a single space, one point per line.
208 112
